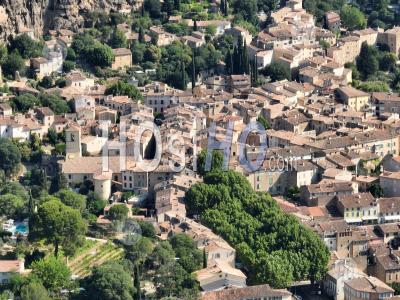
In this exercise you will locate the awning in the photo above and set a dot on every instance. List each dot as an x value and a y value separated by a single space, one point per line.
391 218
353 220
370 218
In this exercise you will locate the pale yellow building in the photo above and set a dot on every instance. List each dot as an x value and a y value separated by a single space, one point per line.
123 58
355 99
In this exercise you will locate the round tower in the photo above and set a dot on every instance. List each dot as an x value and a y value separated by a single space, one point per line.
102 184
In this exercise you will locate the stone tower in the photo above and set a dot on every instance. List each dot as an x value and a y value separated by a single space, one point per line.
73 141
102 184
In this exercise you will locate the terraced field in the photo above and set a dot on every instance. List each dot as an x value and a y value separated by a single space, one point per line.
100 253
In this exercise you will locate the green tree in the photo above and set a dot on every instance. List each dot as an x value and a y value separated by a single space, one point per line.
138 50
387 61
10 157
15 188
59 225
396 287
46 82
153 7
147 229
247 9
352 18
95 205
118 212
141 35
367 61
138 294
52 136
101 55
68 66
183 79
13 206
52 272
118 39
110 281
14 63
24 102
3 53
376 190
71 55
26 46
374 86
72 199
293 192
229 62
122 88
216 162
277 70
152 53
190 258
55 102
193 70
139 251
58 182
276 246
261 119
172 280
34 291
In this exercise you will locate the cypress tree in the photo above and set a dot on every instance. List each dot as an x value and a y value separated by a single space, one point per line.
183 76
235 61
239 57
142 10
177 4
138 295
195 25
228 62
255 70
141 35
252 73
204 258
193 70
222 7
245 60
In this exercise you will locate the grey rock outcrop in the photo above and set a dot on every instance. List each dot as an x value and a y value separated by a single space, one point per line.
42 15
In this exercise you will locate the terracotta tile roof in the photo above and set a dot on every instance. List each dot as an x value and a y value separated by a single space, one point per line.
7 266
249 292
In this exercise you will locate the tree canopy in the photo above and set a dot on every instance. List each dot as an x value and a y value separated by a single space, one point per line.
26 46
352 18
277 70
122 88
52 272
216 161
59 225
13 206
34 291
118 212
273 246
10 157
72 199
110 281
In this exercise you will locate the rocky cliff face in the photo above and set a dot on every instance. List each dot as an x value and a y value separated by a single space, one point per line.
41 15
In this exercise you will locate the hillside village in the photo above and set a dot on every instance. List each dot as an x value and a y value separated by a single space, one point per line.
85 111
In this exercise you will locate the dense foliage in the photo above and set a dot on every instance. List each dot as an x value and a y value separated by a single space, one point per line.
10 157
122 88
110 281
60 225
274 247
